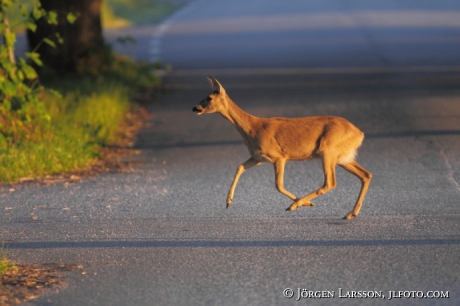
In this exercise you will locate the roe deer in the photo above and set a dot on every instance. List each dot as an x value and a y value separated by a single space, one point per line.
277 140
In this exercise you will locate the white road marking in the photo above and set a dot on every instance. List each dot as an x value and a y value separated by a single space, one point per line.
160 30
317 70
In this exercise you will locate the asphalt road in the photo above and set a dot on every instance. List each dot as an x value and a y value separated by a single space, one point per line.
161 235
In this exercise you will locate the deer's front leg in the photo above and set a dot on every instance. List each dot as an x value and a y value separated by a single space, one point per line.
243 167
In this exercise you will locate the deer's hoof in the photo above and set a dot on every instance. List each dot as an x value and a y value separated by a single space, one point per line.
350 215
291 208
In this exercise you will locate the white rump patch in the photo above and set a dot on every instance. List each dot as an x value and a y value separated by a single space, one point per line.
348 157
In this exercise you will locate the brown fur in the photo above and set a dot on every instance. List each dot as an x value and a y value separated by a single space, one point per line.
277 140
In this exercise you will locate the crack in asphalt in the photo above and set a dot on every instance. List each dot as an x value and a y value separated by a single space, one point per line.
450 170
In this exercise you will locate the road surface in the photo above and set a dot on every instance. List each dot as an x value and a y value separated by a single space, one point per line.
161 235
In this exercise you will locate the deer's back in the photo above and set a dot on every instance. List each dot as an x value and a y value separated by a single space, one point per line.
302 138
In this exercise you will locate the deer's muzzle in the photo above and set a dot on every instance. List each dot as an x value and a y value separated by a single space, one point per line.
197 110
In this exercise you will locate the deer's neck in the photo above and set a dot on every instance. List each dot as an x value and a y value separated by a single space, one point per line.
238 117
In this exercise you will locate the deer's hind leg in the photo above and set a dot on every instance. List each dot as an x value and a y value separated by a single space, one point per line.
365 177
330 182
279 178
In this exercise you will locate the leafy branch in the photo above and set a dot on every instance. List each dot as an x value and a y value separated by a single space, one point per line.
20 91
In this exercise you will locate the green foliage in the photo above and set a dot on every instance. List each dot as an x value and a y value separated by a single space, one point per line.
95 106
20 93
5 264
89 113
71 18
60 128
135 75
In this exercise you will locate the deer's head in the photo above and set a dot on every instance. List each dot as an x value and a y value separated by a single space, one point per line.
215 101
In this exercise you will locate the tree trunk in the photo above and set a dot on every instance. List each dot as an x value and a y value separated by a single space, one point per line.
6 24
83 49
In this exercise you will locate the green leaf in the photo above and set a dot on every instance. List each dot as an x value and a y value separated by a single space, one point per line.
23 10
9 88
11 70
3 51
6 3
71 17
29 72
10 39
24 88
31 25
59 38
2 138
37 11
35 57
21 75
49 42
52 17
55 93
6 104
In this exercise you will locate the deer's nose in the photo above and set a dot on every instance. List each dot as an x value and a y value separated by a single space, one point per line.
196 109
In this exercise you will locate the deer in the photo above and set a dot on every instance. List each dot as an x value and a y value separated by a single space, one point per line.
277 140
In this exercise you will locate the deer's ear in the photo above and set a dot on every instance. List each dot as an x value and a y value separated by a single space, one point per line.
215 84
210 81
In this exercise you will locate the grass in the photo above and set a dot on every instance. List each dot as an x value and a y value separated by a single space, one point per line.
92 109
88 116
5 264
